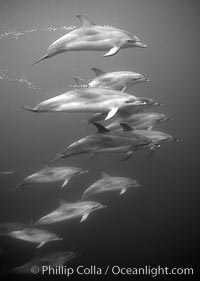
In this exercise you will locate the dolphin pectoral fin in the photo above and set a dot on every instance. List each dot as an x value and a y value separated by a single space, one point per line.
112 51
122 191
65 182
149 128
124 89
96 117
128 155
85 21
79 81
84 217
111 113
151 152
97 71
41 244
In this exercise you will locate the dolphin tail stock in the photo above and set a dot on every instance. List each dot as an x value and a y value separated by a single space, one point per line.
57 157
29 108
42 58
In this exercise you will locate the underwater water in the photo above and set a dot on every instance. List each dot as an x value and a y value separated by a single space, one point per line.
156 224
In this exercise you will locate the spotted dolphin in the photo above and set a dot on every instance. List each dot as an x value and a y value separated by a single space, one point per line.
33 235
92 37
118 80
53 259
52 174
68 211
105 141
89 100
139 121
108 183
146 103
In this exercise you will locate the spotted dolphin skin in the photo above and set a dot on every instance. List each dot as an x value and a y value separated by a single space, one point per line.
105 141
52 260
68 211
91 37
108 183
118 80
52 174
140 121
33 235
89 100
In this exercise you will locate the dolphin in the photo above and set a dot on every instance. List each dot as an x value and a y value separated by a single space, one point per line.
89 100
118 80
52 260
52 174
33 235
139 121
105 141
67 211
146 103
108 183
91 37
157 137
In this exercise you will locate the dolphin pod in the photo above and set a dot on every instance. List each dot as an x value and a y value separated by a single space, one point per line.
106 97
52 174
91 37
118 80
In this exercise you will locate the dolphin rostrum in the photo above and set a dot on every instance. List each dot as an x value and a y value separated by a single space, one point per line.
52 174
68 211
91 37
118 80
89 100
108 183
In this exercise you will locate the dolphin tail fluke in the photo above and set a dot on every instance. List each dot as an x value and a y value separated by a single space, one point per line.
29 108
42 58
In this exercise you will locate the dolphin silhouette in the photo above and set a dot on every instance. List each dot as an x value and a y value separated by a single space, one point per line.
91 37
89 100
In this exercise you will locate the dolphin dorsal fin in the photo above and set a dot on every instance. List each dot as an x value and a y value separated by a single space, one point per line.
101 128
105 175
97 71
126 127
85 21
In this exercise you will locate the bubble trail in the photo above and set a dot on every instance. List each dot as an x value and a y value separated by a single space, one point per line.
7 172
19 79
14 33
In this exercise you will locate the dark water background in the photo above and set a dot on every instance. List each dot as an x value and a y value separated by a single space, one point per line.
157 224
